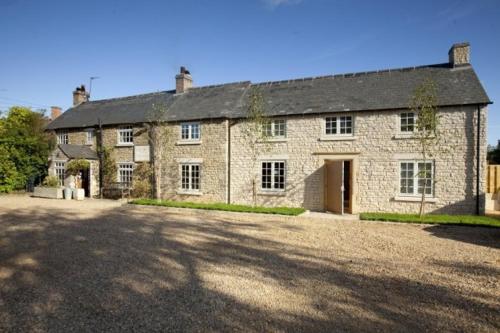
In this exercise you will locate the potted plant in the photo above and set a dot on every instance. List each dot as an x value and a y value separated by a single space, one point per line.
49 189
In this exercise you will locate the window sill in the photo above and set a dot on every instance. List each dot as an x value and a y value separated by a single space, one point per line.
415 199
404 136
186 192
338 138
272 193
124 144
273 140
188 142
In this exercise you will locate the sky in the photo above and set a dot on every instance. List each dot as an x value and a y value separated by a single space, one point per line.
49 47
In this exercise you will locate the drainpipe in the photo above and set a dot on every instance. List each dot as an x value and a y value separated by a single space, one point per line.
229 124
100 152
478 157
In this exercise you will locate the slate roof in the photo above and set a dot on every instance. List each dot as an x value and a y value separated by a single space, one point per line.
364 91
78 151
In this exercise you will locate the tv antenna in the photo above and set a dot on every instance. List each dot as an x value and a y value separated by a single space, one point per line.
92 78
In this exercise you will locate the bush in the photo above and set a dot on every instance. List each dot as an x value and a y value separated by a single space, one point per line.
75 166
142 181
51 181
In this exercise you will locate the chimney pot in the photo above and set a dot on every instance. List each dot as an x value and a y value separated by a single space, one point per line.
55 112
80 95
183 81
459 54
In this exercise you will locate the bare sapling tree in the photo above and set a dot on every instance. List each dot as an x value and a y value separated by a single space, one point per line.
256 134
158 138
424 105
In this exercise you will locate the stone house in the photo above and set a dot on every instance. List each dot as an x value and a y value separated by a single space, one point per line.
340 143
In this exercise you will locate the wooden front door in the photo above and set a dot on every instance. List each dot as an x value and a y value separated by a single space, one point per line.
334 180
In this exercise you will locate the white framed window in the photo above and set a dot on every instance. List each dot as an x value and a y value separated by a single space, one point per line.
125 173
407 122
415 177
339 125
60 168
125 135
89 136
190 131
274 129
190 176
62 137
273 175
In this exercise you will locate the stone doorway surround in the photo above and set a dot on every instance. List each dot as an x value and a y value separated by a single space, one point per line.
323 157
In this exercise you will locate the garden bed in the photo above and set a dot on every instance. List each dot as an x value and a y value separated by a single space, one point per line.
221 206
469 220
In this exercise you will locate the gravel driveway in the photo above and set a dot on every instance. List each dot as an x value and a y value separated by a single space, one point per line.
101 266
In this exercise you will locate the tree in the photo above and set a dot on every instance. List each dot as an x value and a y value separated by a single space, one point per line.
494 154
254 133
158 138
25 145
424 104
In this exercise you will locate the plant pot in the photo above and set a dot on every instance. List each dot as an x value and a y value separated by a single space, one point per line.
78 193
67 193
48 192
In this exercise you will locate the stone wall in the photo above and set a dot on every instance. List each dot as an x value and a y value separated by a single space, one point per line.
376 149
210 152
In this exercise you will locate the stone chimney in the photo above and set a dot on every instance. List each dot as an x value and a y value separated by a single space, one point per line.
459 54
80 95
183 81
55 112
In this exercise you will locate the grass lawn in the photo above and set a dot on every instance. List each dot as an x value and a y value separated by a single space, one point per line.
220 206
470 220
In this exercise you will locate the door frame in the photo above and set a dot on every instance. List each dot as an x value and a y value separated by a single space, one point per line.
323 158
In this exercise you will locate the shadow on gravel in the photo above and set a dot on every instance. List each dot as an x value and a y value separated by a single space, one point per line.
121 271
489 237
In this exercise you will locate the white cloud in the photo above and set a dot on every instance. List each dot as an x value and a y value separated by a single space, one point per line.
272 4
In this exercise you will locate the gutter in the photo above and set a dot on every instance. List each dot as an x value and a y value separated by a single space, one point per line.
478 158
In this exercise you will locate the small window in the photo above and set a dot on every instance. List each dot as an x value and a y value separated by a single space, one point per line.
274 129
125 135
89 136
60 168
342 125
190 131
407 120
63 138
273 175
125 172
190 177
416 177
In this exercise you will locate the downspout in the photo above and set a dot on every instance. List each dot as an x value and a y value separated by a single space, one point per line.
100 152
229 161
478 158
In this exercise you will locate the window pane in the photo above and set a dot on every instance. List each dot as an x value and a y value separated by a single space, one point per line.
279 175
406 178
266 175
195 131
267 129
407 121
331 125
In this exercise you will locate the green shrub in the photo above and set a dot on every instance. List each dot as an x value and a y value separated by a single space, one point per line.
142 181
51 181
75 166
